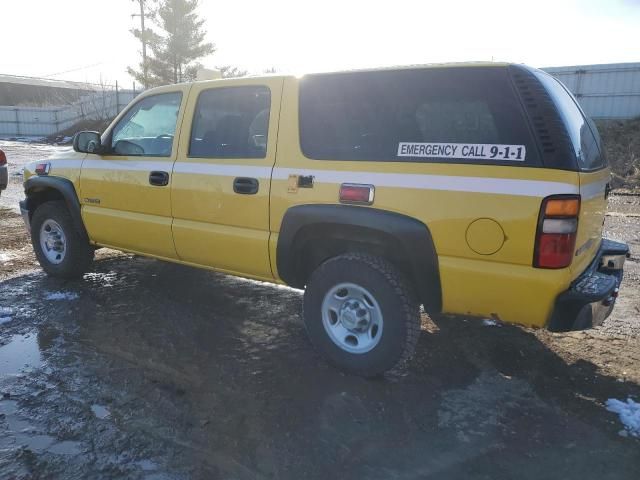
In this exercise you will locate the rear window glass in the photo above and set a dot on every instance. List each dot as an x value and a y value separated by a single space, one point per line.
584 140
457 115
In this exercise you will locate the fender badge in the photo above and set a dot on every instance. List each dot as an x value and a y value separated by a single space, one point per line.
92 200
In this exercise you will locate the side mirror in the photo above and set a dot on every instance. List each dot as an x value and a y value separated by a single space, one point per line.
87 142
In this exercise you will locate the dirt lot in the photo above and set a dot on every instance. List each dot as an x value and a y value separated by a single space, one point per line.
145 369
621 139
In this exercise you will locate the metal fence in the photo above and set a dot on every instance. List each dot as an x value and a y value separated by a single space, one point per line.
608 91
45 121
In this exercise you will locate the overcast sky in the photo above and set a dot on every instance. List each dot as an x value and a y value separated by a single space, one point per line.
87 39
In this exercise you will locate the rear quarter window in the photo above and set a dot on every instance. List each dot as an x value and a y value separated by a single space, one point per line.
582 131
454 115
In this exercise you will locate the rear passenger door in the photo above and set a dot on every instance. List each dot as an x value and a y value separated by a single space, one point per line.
221 179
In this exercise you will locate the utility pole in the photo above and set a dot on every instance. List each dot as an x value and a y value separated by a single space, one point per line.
143 39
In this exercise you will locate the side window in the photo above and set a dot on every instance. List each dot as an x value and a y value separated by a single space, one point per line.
148 127
231 122
584 141
456 115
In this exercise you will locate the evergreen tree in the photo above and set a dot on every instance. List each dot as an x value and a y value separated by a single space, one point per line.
229 71
176 48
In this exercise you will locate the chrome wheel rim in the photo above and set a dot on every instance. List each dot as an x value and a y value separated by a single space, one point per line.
352 318
53 241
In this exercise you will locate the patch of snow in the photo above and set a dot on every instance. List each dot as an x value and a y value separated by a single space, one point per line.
481 408
61 296
5 257
29 139
5 320
629 414
488 322
6 311
104 279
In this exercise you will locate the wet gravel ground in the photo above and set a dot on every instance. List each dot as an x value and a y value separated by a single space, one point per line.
623 223
148 370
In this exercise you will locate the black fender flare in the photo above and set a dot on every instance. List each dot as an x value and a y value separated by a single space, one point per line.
63 186
406 239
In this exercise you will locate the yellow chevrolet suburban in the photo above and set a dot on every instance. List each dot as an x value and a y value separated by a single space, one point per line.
474 189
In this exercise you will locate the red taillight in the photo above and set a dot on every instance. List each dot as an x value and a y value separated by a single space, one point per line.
555 250
3 159
356 193
557 231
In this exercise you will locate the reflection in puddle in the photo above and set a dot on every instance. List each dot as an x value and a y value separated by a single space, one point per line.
5 315
23 434
8 407
21 352
68 447
99 411
35 443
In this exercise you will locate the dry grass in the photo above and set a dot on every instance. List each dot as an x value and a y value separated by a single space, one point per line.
621 140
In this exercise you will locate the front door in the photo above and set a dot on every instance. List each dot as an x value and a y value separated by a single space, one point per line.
222 176
125 192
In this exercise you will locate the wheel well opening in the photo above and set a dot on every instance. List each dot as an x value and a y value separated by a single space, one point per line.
318 243
312 234
38 196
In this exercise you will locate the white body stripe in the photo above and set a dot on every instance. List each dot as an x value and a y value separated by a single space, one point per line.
63 163
505 186
225 170
491 185
130 165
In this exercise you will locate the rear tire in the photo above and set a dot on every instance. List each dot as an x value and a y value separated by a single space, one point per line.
60 249
361 314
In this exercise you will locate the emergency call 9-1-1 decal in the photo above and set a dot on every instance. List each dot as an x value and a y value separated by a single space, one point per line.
465 151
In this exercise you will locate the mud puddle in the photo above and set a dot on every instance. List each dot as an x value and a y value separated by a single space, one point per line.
21 353
146 370
23 434
56 418
149 370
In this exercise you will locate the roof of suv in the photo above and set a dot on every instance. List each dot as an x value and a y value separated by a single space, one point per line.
422 66
372 69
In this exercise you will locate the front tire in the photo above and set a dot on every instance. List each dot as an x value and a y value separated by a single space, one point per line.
361 314
60 249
